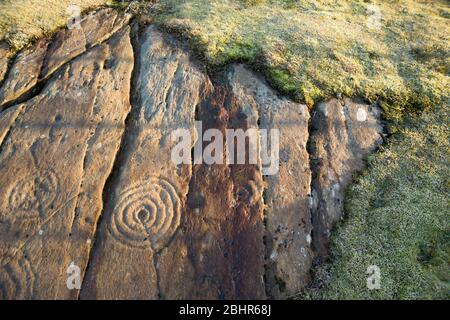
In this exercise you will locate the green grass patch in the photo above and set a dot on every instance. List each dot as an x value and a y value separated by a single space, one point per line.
394 51
398 218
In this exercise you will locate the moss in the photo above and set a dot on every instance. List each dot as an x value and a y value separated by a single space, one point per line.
397 219
395 52
283 81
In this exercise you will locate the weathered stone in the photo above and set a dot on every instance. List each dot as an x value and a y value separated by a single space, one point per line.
219 252
288 220
24 72
91 30
66 45
54 164
146 205
112 105
189 231
5 54
100 25
7 119
343 134
245 230
194 265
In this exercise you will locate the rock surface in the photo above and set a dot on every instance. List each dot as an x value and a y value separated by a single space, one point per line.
93 147
7 119
219 253
91 30
54 163
288 220
343 134
5 54
145 207
24 72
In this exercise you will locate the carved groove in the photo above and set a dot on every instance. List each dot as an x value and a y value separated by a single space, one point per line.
147 214
32 193
16 280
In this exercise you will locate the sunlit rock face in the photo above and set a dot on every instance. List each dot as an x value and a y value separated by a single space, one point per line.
343 133
92 205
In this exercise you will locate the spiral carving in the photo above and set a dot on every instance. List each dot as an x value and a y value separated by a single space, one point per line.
16 280
31 193
147 214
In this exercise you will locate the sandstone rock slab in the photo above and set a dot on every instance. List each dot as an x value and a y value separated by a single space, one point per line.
145 207
91 30
288 220
24 72
7 119
5 54
219 252
343 134
168 231
54 163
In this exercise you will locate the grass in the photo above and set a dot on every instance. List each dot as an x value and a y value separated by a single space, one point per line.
312 50
398 218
